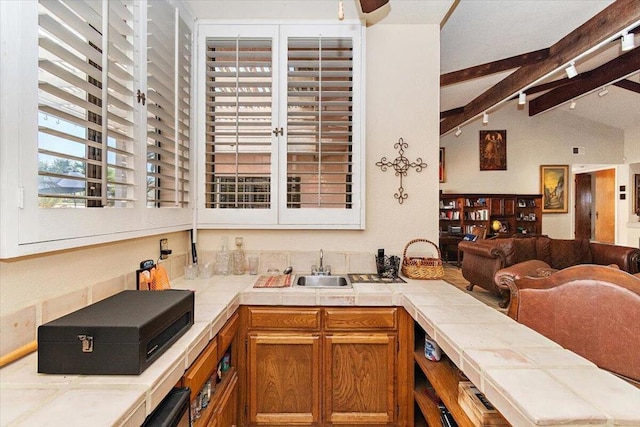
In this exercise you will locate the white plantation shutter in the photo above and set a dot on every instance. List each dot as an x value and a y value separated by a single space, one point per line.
84 159
168 101
282 111
120 104
319 122
238 103
183 105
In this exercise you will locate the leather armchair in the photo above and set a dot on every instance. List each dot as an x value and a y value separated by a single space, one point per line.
482 260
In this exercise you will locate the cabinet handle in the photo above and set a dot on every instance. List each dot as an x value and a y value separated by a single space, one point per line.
279 131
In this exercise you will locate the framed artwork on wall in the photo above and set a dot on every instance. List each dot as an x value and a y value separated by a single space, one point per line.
441 169
554 188
493 150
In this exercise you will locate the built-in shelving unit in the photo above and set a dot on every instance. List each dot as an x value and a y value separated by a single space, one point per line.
516 213
442 377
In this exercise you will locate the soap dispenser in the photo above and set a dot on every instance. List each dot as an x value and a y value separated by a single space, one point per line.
239 261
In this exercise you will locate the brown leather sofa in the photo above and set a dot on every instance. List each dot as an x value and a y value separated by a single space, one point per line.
482 260
592 310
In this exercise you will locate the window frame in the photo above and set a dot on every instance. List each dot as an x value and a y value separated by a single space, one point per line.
279 216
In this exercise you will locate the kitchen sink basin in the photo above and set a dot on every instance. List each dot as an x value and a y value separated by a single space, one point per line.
340 282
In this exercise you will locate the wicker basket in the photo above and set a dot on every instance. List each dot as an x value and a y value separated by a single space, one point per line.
421 267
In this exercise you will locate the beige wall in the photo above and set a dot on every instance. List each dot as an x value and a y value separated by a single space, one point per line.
531 142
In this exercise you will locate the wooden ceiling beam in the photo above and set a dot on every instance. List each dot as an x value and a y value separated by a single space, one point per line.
586 82
629 85
611 20
452 112
493 67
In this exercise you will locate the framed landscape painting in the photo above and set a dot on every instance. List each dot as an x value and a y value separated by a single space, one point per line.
553 187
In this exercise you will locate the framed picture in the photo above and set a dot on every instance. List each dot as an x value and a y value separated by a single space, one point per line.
493 150
554 188
441 164
636 195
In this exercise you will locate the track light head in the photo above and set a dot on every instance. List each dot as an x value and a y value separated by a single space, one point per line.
603 92
573 104
627 42
485 118
522 98
571 70
458 132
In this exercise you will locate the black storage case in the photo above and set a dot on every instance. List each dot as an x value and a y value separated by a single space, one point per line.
122 334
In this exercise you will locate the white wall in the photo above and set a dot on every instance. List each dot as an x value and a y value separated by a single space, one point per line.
546 139
632 157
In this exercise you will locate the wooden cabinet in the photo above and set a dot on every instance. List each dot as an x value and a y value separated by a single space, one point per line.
516 213
223 406
322 366
284 378
528 215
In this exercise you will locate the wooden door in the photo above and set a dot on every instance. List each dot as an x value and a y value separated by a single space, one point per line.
605 206
360 378
283 385
226 413
583 206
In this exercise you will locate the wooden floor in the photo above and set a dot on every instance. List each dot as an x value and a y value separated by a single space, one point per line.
453 275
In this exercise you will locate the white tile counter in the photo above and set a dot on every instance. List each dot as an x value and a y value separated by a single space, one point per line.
530 379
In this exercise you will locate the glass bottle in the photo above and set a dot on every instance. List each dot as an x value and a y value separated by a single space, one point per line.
239 261
222 259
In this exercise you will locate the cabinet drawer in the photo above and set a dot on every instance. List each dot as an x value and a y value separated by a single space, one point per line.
284 318
201 369
227 334
360 319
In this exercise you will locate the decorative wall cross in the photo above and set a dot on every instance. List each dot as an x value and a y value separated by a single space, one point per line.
401 165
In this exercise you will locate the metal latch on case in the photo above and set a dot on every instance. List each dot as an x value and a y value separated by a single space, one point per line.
87 343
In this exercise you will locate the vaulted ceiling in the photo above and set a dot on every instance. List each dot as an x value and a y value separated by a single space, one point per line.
492 50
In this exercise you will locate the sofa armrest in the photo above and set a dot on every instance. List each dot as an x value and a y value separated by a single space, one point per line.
625 257
480 249
530 268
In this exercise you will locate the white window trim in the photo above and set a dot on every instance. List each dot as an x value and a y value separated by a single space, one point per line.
278 217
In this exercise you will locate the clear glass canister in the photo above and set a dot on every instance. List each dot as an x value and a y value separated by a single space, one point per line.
239 260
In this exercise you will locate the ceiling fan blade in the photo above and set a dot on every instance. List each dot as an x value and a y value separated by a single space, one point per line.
369 6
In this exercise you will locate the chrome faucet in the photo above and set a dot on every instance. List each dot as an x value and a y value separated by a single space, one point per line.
321 271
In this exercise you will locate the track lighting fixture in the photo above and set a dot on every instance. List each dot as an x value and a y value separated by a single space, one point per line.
573 104
571 70
485 118
458 132
340 10
522 98
603 92
627 41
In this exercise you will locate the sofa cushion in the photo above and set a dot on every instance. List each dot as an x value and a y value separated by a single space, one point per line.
566 253
524 249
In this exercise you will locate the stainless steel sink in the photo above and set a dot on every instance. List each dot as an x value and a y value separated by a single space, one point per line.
340 282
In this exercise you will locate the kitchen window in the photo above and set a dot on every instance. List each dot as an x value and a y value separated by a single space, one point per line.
80 96
281 109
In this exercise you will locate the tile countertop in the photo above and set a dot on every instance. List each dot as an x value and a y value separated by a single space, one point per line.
530 379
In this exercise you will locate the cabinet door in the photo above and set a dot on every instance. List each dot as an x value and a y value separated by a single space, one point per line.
226 414
283 378
360 378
